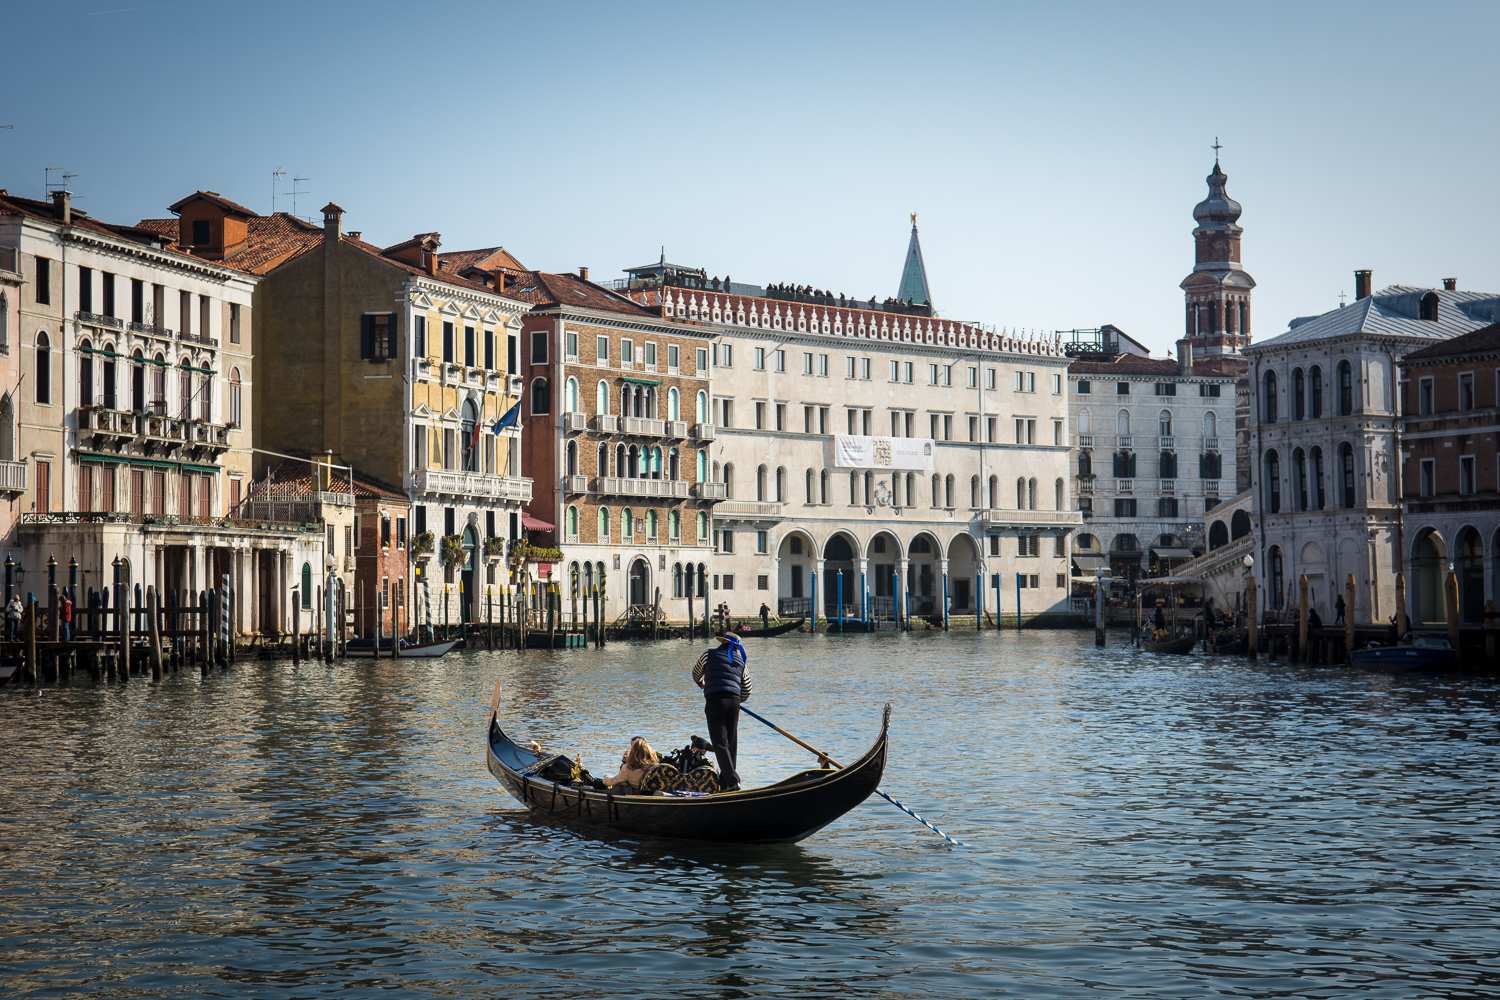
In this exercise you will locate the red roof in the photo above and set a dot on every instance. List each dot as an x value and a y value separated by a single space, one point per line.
1485 340
270 240
545 290
295 478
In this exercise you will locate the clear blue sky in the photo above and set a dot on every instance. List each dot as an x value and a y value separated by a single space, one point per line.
1054 152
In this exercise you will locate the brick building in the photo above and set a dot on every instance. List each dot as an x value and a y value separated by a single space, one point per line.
617 428
1450 473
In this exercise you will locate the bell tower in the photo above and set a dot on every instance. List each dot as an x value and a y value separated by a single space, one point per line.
1218 289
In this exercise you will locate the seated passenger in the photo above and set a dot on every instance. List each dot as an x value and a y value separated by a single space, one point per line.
634 764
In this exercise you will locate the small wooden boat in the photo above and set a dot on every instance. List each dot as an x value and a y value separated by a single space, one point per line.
365 649
785 812
774 630
1182 644
1426 652
10 666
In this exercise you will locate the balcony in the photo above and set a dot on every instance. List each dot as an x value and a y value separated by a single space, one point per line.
1085 486
643 426
203 437
1027 518
105 427
677 429
666 489
471 485
162 434
710 491
12 477
94 319
1210 444
197 338
574 422
1124 485
1085 440
749 509
1168 485
151 330
703 432
1211 487
1166 442
1123 441
575 484
607 423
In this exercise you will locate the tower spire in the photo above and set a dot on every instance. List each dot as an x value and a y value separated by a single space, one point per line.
913 286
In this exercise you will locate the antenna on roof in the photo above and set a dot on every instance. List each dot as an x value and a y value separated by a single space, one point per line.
48 186
276 175
295 192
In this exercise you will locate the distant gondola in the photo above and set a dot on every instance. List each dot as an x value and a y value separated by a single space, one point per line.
365 648
785 812
774 630
1183 644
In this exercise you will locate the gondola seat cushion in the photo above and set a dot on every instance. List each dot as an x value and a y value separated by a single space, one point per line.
666 778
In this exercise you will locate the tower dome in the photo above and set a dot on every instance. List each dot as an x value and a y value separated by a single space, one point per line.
1218 209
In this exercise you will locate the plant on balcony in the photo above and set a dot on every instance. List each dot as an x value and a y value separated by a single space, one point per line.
422 543
453 552
494 547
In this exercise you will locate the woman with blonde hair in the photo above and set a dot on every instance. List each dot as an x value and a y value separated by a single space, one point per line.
634 764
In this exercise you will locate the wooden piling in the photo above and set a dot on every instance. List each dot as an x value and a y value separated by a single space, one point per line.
30 626
123 614
1489 631
153 624
1450 602
1304 655
1402 625
297 630
1348 617
1252 634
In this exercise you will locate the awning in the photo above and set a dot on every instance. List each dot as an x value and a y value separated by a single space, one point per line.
1089 564
640 381
1167 552
534 524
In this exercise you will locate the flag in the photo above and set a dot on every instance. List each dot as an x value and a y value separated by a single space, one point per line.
474 438
512 415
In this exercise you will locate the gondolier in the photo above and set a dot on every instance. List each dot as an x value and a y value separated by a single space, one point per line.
720 672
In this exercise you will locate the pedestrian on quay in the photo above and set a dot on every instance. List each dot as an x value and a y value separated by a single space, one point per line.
13 618
720 672
1338 608
65 618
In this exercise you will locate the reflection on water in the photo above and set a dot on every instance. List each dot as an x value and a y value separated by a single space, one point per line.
1142 825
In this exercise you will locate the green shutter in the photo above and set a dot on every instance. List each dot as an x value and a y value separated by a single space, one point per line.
365 337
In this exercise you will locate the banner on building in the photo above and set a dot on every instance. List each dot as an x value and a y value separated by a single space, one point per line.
852 451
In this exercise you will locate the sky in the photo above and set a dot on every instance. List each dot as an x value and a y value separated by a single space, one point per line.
1053 152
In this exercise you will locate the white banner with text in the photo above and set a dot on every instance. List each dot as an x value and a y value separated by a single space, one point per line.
853 451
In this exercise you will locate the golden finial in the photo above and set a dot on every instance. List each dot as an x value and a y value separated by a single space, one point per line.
914 220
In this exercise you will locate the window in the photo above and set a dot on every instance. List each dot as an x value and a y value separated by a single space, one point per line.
1208 390
906 370
1273 482
1056 384
419 336
1428 477
1122 388
1317 478
781 416
1346 389
702 360
235 416
44 487
932 374
44 370
234 322
760 415
760 359
570 343
489 349
728 579
895 371
1083 387
377 338
807 363
673 357
1424 395
1057 433
1025 381
763 582
1269 386
43 281
449 351
864 369
601 350
541 397
1466 474
1166 507
726 355
1466 391
107 296
973 377
726 542
650 353
1166 388
823 366
1125 507
760 545
138 302
1346 464
1315 392
538 345
1297 394
512 351
779 358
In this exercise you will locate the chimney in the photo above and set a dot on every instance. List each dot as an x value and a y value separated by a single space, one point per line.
1361 285
429 261
1450 284
583 273
63 202
500 277
1184 356
355 234
333 222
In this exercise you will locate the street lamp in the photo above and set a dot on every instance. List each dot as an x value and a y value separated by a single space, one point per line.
10 576
1249 561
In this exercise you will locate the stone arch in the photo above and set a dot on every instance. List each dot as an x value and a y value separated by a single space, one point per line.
1239 524
1429 561
1218 535
1468 563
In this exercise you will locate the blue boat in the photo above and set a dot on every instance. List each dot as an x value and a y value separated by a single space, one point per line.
1424 652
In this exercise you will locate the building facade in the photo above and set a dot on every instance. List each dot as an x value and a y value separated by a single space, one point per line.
134 411
1326 433
13 470
871 454
618 432
1450 474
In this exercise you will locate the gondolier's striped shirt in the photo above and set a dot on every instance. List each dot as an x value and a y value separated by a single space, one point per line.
702 665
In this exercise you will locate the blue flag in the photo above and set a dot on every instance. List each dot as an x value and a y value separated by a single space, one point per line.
510 419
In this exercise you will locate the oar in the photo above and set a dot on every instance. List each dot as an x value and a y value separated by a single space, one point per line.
824 759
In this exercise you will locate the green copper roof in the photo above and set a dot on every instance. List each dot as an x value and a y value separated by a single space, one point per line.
914 275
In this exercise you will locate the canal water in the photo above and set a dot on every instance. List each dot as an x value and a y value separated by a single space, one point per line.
1139 826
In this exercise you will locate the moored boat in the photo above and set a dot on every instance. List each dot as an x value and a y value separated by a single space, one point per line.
1182 644
1425 652
774 630
785 812
366 649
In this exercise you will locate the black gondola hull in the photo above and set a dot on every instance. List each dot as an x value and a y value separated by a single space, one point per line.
786 812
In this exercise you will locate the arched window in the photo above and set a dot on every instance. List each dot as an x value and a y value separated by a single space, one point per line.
601 398
1085 464
674 465
676 579
572 459
760 484
1315 392
1083 421
603 523
1164 423
470 417
1021 493
571 401
622 462
235 415
572 522
911 489
627 523
138 381
1346 465
4 321
994 493
601 460
205 392
948 491
1031 494
184 386
1239 525
702 527
1297 394
1166 465
809 478
632 462
1427 309
1122 423
781 484
702 408
937 490
1057 489
651 525
85 374
729 480
702 466
674 409
1299 474
1274 579
1269 384
7 429
541 396
43 368
973 491
307 585
655 461
823 487
1273 482
674 525
1210 425
159 386
1346 389
1317 479
853 488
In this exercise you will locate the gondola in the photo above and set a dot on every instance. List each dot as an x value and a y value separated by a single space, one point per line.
774 630
1183 644
785 812
365 648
